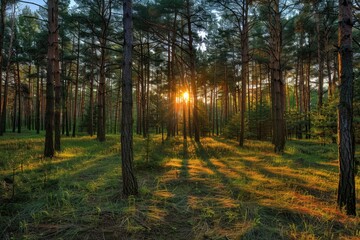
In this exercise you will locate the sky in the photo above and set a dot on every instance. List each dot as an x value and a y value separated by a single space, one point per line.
33 7
39 2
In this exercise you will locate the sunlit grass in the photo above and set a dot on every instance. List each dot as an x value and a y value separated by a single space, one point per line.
212 190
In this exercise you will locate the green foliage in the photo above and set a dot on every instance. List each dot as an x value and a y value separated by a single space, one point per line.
257 124
325 122
232 128
202 190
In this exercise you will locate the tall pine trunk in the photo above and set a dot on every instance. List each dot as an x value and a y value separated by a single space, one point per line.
76 83
193 74
19 96
37 114
56 73
130 186
2 32
6 85
49 112
320 56
277 84
244 70
346 191
101 96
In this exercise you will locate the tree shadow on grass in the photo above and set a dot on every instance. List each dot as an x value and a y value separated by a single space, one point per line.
284 217
297 183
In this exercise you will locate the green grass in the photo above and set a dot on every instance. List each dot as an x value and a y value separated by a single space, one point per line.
213 190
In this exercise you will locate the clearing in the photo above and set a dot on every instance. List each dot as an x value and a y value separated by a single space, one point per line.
212 190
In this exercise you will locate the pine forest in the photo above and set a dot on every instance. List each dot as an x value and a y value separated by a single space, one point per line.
179 119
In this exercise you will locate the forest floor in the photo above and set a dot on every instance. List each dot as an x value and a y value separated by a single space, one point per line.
212 190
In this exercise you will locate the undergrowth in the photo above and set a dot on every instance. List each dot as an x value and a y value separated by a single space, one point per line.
212 190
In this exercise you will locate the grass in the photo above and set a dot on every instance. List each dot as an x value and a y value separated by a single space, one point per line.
213 190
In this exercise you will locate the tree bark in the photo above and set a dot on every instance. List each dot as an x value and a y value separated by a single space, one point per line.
76 83
6 84
49 113
37 114
15 100
105 13
193 74
2 32
130 186
277 84
346 144
54 26
320 53
244 69
19 96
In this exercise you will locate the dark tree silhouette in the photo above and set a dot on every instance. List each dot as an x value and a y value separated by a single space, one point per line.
346 141
130 186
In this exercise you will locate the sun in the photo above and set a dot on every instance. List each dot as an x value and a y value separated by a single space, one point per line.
186 96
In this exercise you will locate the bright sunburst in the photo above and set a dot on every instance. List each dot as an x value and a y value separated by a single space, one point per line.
186 96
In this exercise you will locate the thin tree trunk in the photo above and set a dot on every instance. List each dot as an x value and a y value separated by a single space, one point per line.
320 52
37 118
138 104
42 115
117 109
56 72
193 74
148 87
328 66
15 100
101 97
91 111
29 106
2 32
244 71
226 97
106 16
6 85
76 83
19 96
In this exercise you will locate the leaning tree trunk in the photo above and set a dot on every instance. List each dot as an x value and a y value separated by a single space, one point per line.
130 186
346 191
